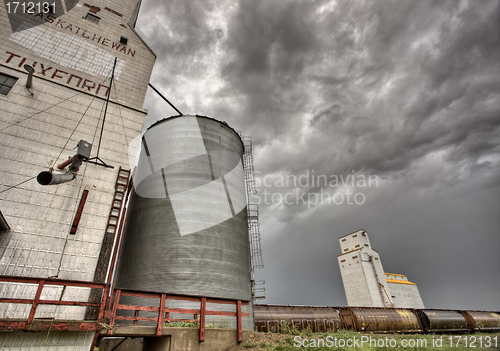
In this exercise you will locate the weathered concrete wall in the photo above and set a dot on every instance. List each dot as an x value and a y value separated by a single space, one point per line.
183 339
178 339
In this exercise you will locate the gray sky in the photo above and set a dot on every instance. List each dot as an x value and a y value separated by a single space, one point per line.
407 92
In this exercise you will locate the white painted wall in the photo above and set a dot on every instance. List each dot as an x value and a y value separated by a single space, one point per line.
71 57
362 272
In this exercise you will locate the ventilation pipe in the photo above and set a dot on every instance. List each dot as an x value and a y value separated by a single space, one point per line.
82 154
31 70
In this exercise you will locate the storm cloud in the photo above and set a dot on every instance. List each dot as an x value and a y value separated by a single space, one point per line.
405 91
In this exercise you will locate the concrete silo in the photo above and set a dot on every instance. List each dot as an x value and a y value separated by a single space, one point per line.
187 230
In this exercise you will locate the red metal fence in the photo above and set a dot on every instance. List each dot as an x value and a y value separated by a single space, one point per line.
109 307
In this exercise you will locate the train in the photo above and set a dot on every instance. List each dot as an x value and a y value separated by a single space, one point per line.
282 319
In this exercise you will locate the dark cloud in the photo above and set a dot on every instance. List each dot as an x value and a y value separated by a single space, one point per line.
408 91
178 28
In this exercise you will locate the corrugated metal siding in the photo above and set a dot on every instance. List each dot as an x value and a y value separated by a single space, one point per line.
380 319
445 320
187 227
484 320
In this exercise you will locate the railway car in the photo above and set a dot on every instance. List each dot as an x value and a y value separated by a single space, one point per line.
483 321
380 320
281 318
443 321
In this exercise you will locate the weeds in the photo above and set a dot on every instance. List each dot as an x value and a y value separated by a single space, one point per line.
224 323
182 324
308 331
249 344
289 340
344 340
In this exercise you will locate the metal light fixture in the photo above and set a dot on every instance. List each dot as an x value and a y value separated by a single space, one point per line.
30 70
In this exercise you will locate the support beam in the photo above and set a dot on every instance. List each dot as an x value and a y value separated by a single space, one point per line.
161 314
238 320
202 318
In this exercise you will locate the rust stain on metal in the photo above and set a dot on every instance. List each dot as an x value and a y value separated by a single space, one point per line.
380 319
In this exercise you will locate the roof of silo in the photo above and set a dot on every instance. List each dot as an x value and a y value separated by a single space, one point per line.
214 119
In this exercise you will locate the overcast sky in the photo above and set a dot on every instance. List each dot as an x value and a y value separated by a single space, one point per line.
407 92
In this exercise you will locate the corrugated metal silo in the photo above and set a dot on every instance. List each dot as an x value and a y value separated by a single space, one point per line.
186 230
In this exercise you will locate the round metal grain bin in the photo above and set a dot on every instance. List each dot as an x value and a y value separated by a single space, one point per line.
186 230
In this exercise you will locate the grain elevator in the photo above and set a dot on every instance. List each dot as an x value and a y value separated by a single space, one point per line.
366 283
73 79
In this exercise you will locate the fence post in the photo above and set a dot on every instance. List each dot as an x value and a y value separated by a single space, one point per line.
104 301
36 300
100 317
161 313
238 320
136 314
203 308
113 311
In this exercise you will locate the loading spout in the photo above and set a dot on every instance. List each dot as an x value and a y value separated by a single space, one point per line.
82 154
65 163
48 178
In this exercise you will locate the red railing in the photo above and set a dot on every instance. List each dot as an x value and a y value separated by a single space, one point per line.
109 308
28 324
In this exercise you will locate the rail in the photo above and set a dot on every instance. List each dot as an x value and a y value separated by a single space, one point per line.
111 310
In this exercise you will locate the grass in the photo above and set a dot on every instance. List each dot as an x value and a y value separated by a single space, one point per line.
344 340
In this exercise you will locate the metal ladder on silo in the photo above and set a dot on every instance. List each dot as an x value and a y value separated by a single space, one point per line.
103 261
258 286
121 186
